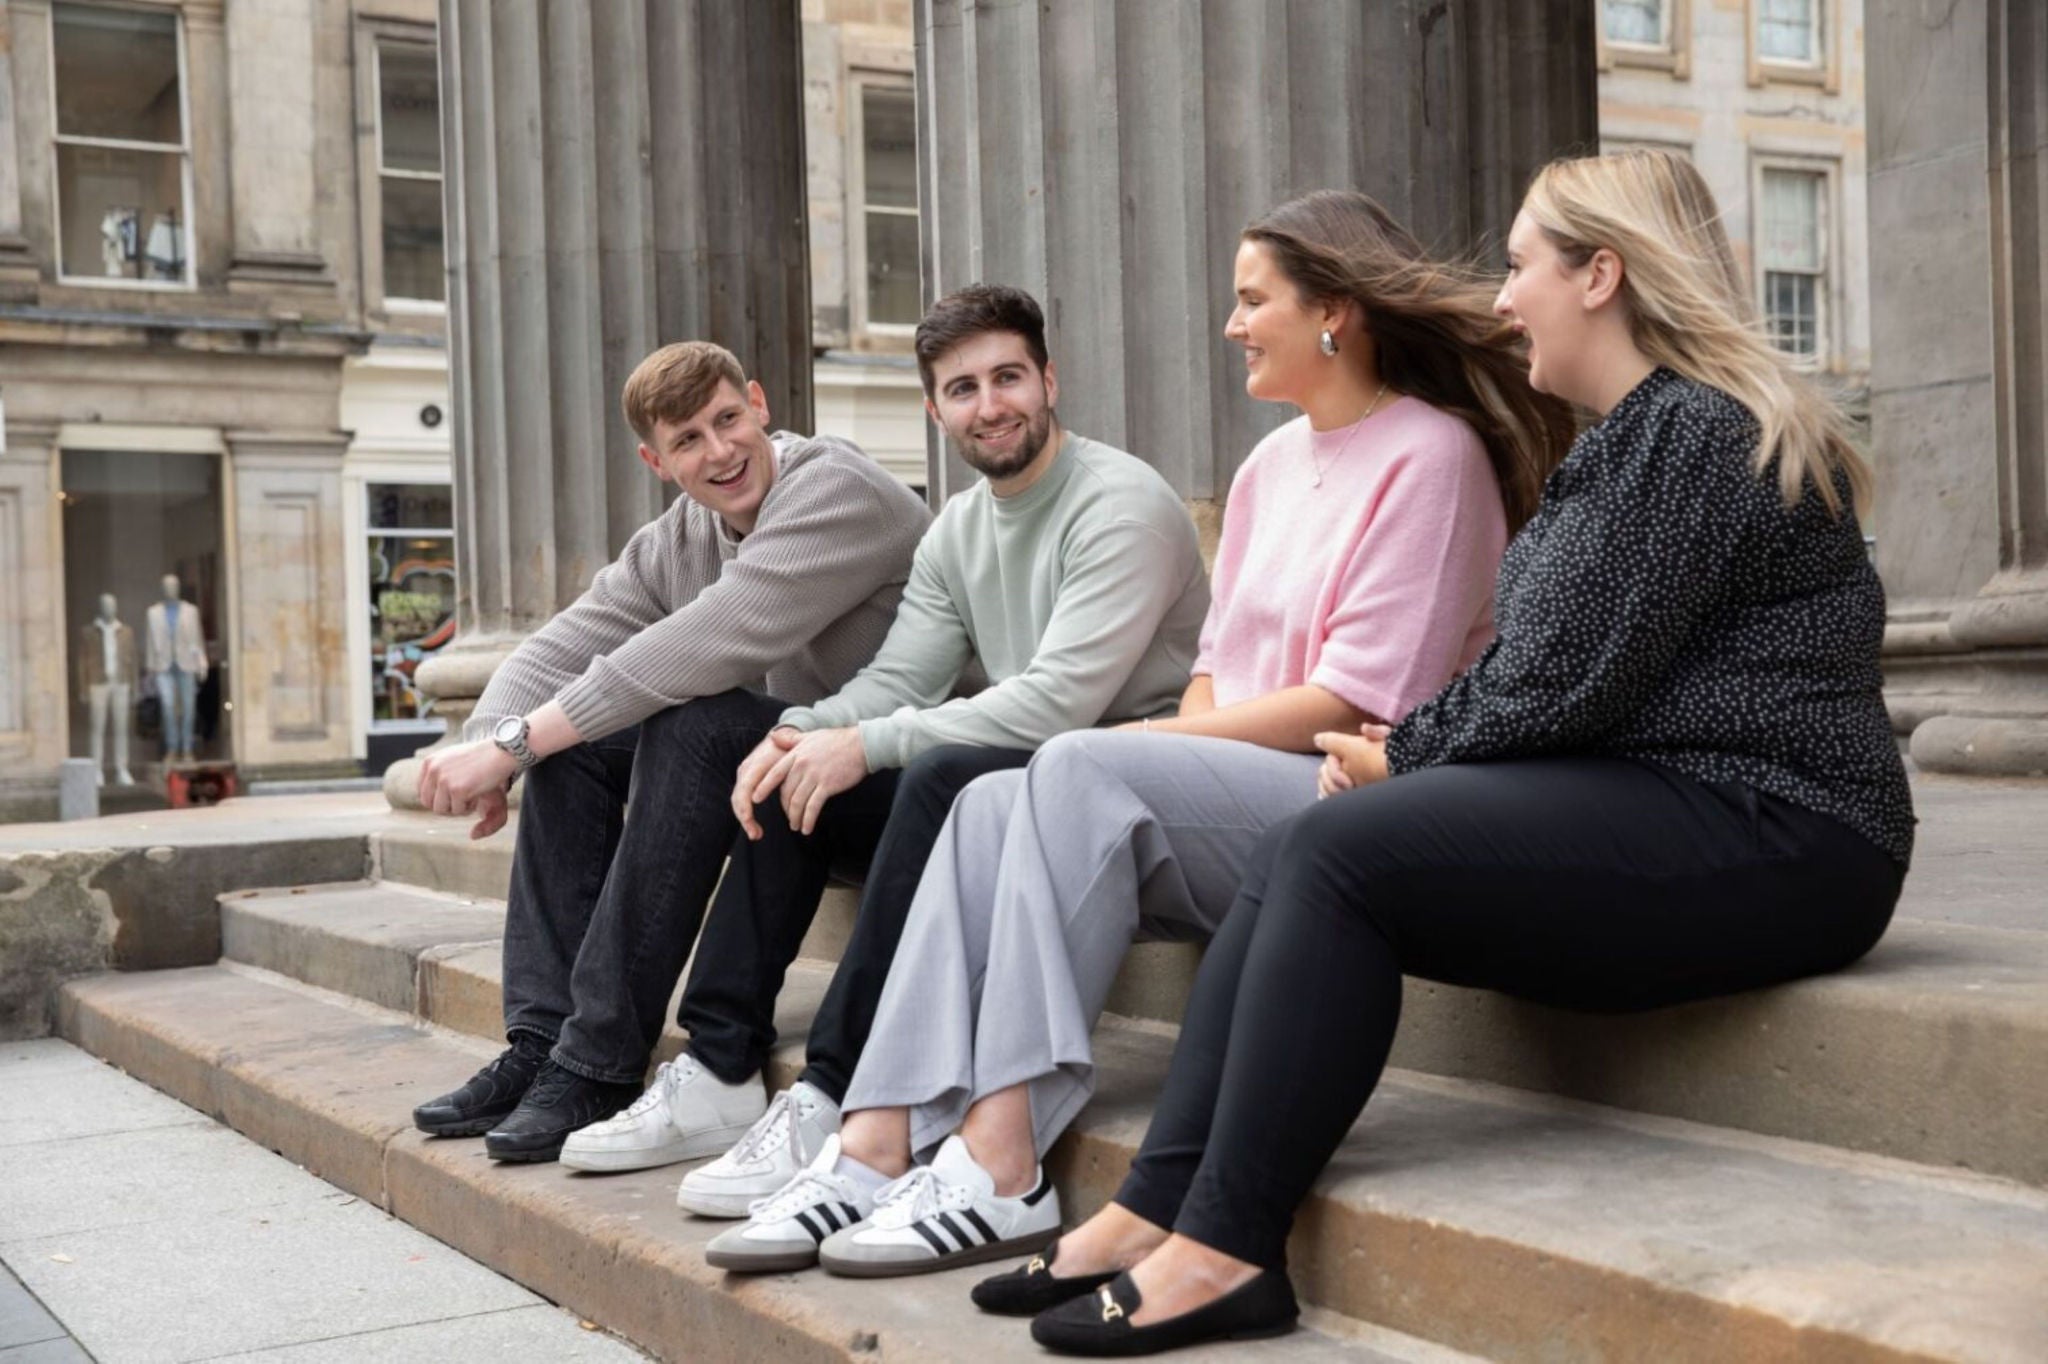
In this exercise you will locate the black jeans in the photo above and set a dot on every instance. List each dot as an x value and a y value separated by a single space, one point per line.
882 831
1584 883
620 843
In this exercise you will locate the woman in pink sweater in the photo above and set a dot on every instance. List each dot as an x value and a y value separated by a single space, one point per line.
1354 578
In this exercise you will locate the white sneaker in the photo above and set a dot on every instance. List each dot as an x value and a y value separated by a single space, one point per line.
783 1232
795 1127
686 1113
943 1214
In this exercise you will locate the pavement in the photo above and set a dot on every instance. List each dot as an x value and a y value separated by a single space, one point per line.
134 1230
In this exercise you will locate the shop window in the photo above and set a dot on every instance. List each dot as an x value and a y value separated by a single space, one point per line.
1792 259
409 172
412 593
143 600
885 189
122 154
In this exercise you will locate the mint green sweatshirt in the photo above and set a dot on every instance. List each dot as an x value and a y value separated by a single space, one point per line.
1082 599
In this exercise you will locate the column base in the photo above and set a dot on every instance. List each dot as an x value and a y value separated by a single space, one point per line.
455 678
2000 732
1927 672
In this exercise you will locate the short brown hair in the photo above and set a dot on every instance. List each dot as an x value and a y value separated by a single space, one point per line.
675 382
970 312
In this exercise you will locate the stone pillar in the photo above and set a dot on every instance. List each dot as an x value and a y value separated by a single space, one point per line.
17 260
619 174
290 676
1932 395
34 716
270 94
2003 729
1106 156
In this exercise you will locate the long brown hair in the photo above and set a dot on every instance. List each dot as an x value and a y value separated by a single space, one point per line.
1433 325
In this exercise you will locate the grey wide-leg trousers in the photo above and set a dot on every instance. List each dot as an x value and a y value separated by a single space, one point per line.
1041 881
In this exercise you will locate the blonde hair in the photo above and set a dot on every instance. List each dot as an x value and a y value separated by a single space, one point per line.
1688 309
675 382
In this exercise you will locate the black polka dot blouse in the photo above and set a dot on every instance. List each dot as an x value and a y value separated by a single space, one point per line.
1664 604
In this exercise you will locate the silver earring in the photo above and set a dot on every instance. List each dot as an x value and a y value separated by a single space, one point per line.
1329 342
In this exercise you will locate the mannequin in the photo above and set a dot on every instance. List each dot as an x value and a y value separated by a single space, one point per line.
106 671
177 659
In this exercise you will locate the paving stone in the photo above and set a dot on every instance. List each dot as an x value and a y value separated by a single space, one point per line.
63 1350
123 1178
94 1098
527 1333
23 1320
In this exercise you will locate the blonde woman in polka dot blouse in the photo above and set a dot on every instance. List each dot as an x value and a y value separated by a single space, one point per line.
1670 776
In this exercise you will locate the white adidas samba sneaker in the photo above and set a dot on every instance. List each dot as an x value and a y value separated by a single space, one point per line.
783 1232
786 1139
943 1214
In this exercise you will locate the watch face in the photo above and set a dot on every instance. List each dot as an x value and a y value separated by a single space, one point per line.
508 730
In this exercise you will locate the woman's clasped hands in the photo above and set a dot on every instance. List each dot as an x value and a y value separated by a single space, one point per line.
1353 759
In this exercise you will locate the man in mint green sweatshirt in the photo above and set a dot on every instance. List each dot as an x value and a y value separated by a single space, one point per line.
1071 580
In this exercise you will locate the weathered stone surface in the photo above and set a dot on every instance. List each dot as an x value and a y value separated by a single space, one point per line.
53 925
360 938
1509 1225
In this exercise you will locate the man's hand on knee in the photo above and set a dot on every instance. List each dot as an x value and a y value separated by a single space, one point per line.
457 780
760 773
823 763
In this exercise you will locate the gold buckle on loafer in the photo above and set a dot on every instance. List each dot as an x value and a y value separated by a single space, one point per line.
1037 1265
1111 1308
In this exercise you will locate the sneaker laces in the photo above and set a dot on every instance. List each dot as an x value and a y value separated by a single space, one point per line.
776 1124
809 1187
549 1086
915 1196
667 1076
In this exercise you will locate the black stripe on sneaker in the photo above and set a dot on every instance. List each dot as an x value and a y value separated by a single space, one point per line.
804 1219
827 1216
988 1233
945 1220
931 1238
1044 1187
852 1213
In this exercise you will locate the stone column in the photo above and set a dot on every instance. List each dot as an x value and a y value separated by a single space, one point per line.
290 676
34 715
619 174
1106 155
2003 729
1932 395
17 260
270 95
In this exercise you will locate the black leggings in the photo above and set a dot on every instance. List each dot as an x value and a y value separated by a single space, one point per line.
1585 883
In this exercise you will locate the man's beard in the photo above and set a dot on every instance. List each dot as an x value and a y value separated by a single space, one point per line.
1001 464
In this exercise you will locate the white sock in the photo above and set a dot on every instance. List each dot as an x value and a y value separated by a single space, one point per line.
869 1178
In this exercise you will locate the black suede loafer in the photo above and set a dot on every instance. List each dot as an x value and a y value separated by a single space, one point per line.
559 1102
1031 1288
1100 1324
489 1095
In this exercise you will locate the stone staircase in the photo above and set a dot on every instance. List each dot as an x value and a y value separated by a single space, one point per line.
1846 1169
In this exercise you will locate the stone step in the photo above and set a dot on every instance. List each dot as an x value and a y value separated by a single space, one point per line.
1507 1225
329 1082
1932 1049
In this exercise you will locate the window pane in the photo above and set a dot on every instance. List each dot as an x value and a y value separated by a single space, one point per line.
1791 305
122 213
409 102
412 239
1791 221
889 136
1788 30
1635 21
412 617
117 73
892 268
412 506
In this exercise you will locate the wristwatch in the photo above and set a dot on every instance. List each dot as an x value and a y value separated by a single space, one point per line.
510 734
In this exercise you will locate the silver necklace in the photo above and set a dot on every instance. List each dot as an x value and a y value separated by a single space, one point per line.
1317 481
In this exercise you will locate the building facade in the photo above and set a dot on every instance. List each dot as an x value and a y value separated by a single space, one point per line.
223 358
1766 98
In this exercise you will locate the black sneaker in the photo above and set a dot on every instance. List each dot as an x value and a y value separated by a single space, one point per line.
490 1095
559 1102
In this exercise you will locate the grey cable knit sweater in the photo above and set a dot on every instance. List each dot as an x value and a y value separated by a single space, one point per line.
801 603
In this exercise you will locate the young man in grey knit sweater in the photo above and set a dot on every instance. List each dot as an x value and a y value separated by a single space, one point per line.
1073 577
783 560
